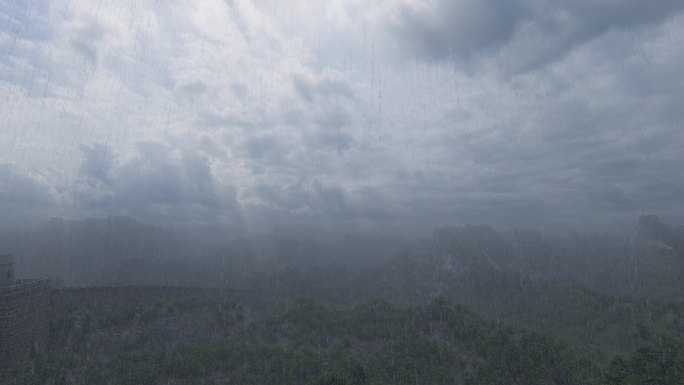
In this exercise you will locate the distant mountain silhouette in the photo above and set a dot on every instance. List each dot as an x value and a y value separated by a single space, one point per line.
651 229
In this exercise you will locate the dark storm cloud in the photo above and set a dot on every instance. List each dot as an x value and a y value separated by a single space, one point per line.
524 34
158 182
321 201
453 30
20 187
97 161
269 154
311 196
326 102
330 200
330 131
160 176
413 113
288 197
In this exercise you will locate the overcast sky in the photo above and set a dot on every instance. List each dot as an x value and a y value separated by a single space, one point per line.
354 114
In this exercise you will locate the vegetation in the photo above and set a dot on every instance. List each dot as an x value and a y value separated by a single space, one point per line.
467 306
307 341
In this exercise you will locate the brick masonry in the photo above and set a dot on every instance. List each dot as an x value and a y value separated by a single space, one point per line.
24 322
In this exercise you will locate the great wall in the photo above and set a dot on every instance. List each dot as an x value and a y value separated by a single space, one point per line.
27 305
24 321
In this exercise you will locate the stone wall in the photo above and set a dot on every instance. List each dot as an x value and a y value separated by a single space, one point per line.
26 308
24 321
106 296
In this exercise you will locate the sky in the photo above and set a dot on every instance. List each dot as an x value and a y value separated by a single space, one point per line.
343 114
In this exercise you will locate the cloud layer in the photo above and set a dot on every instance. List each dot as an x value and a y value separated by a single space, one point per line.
343 114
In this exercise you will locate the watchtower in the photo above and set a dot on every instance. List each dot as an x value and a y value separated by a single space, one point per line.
6 270
24 317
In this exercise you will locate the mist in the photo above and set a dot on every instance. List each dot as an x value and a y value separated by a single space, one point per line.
415 191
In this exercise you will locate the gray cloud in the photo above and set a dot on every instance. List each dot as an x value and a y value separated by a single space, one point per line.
19 187
311 90
453 30
216 120
196 87
353 115
85 41
522 34
97 162
159 182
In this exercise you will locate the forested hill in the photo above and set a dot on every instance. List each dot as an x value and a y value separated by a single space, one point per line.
315 343
469 304
646 262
